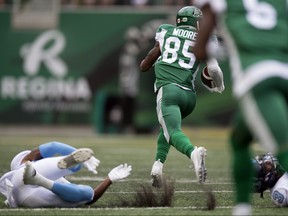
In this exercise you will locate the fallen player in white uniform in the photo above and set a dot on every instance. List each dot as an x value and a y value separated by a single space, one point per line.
271 176
37 177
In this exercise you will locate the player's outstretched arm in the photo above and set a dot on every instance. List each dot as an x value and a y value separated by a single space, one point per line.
120 172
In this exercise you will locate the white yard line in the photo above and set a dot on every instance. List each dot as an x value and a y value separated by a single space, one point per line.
100 209
90 178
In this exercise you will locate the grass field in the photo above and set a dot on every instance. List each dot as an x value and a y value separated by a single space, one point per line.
139 151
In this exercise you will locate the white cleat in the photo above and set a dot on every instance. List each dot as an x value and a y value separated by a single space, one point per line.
198 158
79 156
29 174
156 173
242 209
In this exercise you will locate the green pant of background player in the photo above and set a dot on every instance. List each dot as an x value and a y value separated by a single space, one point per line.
256 35
175 69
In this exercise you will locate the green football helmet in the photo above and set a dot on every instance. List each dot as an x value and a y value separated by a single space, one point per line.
189 16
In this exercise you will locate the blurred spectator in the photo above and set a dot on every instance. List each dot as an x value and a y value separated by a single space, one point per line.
122 2
105 2
2 3
70 2
129 79
139 3
177 2
89 3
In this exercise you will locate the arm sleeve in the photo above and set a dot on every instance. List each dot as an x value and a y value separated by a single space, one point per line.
53 148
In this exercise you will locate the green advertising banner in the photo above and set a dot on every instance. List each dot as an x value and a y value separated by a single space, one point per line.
67 75
50 75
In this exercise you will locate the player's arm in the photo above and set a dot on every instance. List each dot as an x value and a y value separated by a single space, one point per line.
48 150
150 58
117 173
207 25
216 74
100 190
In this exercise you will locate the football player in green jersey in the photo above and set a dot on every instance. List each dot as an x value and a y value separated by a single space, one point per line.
175 69
256 35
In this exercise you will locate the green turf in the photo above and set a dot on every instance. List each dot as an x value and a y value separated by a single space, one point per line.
139 151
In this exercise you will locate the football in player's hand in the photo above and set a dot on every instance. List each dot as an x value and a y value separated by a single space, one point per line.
206 78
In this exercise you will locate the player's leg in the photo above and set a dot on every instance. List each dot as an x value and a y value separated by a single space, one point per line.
267 115
33 196
173 104
40 197
282 153
162 147
242 169
169 100
51 149
161 155
66 191
75 158
49 167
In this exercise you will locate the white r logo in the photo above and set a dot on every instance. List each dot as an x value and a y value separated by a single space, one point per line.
37 52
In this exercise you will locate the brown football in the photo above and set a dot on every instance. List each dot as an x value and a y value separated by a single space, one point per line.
206 78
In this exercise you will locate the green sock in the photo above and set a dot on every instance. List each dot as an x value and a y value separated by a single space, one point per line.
162 147
182 143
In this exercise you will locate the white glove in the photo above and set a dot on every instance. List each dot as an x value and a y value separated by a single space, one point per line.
120 172
215 89
216 74
92 164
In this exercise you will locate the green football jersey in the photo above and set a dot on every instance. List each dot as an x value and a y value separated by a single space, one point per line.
177 64
262 33
256 35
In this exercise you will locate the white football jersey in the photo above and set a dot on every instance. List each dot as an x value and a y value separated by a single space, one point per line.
280 191
21 195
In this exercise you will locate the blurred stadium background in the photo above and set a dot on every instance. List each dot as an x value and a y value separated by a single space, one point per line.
66 63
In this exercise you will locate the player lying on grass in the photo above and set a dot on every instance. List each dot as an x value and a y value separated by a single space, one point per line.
37 177
271 176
